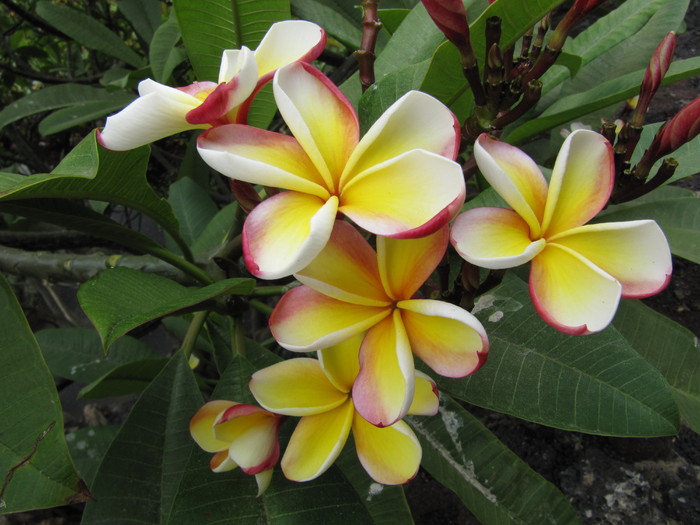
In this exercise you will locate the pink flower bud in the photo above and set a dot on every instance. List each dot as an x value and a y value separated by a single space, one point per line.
657 68
682 128
451 19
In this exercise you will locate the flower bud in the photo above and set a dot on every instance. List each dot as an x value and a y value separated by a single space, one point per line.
682 128
451 19
657 68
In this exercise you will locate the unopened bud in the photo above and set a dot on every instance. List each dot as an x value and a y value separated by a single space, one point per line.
657 68
245 194
451 19
682 128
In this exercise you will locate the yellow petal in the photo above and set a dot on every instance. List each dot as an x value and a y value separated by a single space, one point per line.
316 443
581 183
515 177
305 320
390 455
411 195
383 390
494 238
446 337
341 362
346 269
571 293
295 387
202 425
426 398
222 462
405 264
285 232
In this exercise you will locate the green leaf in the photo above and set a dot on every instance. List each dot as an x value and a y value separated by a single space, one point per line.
391 19
36 470
76 353
496 485
679 219
139 476
130 378
445 80
87 31
119 299
92 172
218 231
607 93
210 26
163 53
193 207
84 112
596 384
88 446
53 97
671 348
342 20
144 15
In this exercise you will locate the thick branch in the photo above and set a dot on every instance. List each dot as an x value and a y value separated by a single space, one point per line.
365 55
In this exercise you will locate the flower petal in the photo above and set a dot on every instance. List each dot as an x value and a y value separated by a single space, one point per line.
295 387
494 238
346 269
415 121
260 157
316 443
288 41
263 479
319 116
383 390
411 195
390 455
446 337
426 398
581 183
636 253
159 112
571 293
239 63
285 232
202 425
221 462
515 177
305 320
405 264
341 362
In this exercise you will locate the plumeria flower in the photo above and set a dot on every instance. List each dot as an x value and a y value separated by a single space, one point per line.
161 111
349 288
239 435
320 392
400 180
578 272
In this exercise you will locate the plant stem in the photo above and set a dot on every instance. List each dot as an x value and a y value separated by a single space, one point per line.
365 54
193 332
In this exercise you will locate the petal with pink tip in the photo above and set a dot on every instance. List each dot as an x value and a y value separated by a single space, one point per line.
341 362
446 337
636 253
305 320
390 455
295 387
383 390
285 232
494 238
316 443
581 182
415 121
319 116
346 269
515 177
202 425
405 264
288 41
426 399
260 157
159 112
571 293
411 195
253 440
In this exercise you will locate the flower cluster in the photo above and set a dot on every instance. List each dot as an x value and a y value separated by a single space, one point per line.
361 308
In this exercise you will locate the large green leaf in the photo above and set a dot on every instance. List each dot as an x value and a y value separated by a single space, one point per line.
87 31
496 485
84 112
601 96
218 231
92 172
139 476
119 299
88 446
53 97
596 384
130 378
342 20
671 348
163 53
445 81
193 207
679 218
144 15
35 466
210 26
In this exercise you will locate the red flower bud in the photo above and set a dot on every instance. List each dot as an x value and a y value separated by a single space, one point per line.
682 128
451 19
657 68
